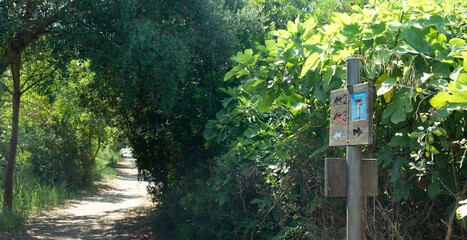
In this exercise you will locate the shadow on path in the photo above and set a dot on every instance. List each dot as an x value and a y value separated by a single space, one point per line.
96 216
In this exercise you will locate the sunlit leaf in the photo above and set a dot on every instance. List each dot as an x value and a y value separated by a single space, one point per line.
231 73
456 99
251 132
291 27
394 26
386 86
462 210
310 63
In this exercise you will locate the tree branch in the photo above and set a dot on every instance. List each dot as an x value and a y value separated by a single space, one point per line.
23 38
33 75
389 220
446 187
6 87
36 82
344 7
399 31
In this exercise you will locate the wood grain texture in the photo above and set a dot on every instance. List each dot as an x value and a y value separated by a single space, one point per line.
335 177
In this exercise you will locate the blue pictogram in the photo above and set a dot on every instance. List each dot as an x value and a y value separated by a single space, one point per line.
358 106
337 134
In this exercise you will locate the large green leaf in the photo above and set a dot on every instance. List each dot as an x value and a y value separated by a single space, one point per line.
209 133
309 25
328 76
457 98
441 70
457 42
247 55
415 38
310 63
231 73
433 190
395 173
251 132
351 30
385 156
394 26
397 110
291 27
438 21
266 101
400 139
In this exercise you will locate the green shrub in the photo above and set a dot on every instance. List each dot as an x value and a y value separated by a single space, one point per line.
58 156
274 124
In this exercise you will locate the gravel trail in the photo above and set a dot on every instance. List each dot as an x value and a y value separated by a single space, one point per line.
112 213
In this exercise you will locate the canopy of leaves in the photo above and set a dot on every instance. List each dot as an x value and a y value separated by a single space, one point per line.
157 65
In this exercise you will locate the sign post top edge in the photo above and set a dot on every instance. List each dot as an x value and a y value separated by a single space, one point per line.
355 56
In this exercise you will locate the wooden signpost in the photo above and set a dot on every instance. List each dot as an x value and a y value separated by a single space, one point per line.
352 116
351 125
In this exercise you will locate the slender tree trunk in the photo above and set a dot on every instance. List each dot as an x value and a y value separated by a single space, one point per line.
450 223
8 192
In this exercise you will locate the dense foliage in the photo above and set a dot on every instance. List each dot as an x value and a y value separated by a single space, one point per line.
153 70
269 183
63 146
53 142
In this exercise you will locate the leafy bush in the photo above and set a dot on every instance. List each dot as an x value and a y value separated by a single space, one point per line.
57 156
269 184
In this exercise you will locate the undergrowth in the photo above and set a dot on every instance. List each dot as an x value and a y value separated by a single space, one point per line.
33 195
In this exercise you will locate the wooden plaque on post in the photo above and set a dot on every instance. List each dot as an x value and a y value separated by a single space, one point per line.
335 177
339 119
361 114
351 120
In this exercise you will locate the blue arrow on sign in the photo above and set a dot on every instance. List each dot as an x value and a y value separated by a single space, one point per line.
337 134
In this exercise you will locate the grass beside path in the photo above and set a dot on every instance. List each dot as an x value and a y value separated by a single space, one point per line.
32 197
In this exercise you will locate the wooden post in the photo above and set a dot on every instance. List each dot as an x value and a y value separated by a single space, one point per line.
354 159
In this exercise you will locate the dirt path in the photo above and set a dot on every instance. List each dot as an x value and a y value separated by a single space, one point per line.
112 213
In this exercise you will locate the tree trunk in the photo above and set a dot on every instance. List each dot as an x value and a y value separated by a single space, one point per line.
8 192
450 223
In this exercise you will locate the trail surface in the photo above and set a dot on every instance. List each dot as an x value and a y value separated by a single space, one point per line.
112 213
